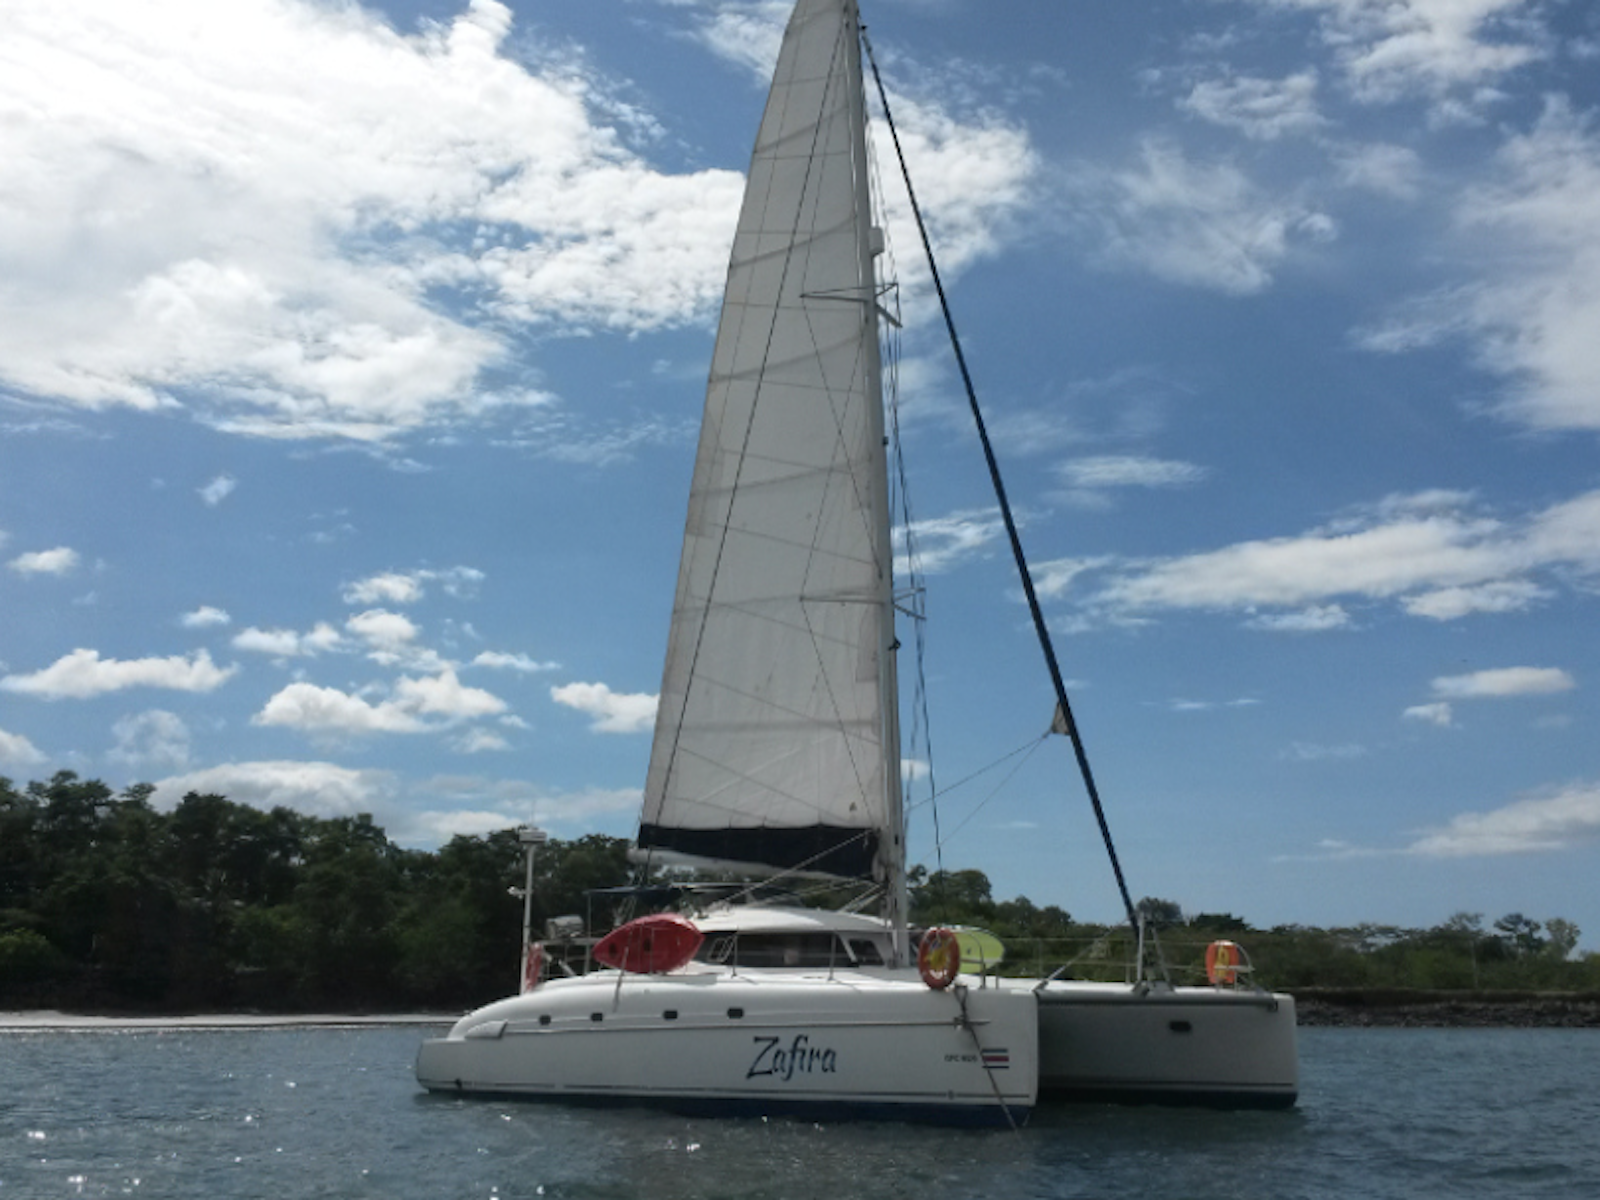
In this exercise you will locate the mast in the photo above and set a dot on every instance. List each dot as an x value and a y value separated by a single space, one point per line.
891 865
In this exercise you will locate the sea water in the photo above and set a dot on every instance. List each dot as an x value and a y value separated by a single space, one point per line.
332 1112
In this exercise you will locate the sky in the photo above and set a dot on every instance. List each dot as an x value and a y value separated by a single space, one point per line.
351 361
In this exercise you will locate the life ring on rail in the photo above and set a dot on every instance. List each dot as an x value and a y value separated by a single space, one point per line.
939 957
1222 963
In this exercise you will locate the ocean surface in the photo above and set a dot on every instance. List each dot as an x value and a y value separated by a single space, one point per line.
334 1112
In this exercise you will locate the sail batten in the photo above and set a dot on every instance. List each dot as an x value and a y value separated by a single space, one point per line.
772 736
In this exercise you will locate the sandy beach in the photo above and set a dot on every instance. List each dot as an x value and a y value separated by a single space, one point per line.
50 1019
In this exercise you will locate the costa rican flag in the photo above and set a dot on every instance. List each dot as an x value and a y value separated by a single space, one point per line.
997 1060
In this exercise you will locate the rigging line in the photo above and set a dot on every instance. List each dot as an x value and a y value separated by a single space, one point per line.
966 1022
1027 747
1064 708
922 716
890 354
999 787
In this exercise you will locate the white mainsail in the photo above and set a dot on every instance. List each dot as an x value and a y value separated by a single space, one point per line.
776 743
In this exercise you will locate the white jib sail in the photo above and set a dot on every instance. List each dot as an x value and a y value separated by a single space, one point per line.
776 743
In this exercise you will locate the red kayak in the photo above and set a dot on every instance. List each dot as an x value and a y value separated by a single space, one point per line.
650 945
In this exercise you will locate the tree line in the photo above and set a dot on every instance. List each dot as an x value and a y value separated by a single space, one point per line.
107 902
1513 953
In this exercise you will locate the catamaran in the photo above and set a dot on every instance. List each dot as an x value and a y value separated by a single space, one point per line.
777 747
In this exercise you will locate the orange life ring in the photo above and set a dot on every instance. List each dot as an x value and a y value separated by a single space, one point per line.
939 958
1222 963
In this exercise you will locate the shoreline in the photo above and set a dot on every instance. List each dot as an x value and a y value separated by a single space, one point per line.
1399 1009
1314 1007
58 1021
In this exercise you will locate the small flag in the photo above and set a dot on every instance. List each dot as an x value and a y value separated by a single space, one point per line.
997 1060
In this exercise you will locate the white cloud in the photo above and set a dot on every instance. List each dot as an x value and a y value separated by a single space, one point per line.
499 661
1539 311
480 741
249 214
1319 618
1265 109
1559 819
1382 560
408 587
1448 604
1391 49
1504 681
318 788
60 561
943 543
613 712
324 789
1532 239
245 212
1055 578
205 617
388 588
482 806
975 174
18 751
1124 470
286 643
1438 713
390 637
1197 224
444 695
329 713
83 674
154 739
557 434
1430 553
1382 168
218 490
747 35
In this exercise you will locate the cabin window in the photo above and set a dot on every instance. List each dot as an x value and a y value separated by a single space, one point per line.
866 952
775 950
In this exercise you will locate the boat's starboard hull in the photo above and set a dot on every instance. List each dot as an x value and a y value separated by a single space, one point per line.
1188 1045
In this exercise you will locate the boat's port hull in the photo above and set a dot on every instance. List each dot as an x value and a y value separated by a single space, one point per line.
849 1046
1188 1045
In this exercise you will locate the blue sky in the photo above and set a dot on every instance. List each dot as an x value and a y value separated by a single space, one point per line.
351 359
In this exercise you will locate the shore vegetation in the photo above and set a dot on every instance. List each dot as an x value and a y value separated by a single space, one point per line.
108 903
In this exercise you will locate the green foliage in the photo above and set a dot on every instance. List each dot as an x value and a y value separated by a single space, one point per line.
27 958
105 901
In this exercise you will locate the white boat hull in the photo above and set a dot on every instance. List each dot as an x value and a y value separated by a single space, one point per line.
1165 1045
850 1045
1129 1043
